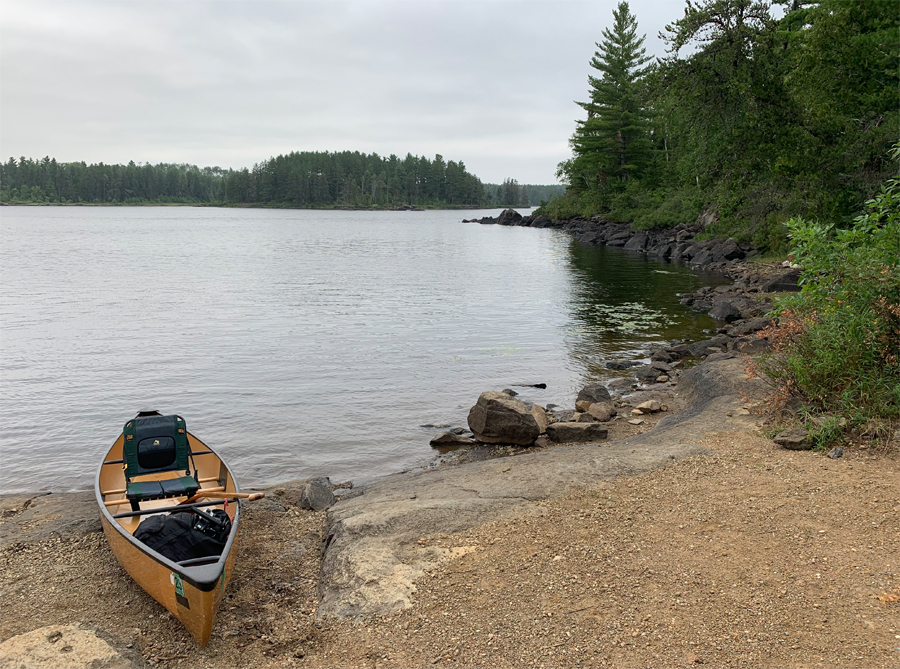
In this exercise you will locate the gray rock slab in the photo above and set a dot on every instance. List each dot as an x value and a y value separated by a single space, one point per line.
58 646
372 556
33 518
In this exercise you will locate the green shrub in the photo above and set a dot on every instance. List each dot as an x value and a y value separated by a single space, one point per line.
838 341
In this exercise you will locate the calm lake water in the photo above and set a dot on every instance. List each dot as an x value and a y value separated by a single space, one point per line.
298 343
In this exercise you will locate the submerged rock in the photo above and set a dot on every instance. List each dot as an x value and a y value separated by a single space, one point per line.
450 439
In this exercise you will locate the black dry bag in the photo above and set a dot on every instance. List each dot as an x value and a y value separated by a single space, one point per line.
186 535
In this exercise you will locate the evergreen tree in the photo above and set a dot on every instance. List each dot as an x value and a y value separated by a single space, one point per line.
614 141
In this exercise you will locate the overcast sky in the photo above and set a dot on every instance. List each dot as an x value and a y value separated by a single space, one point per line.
231 83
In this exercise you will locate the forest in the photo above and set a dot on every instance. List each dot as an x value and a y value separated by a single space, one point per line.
298 179
511 194
48 181
760 111
353 179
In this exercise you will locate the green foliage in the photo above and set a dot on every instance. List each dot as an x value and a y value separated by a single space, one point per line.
661 208
766 119
838 341
613 144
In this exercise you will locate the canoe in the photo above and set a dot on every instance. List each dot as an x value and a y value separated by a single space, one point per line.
190 589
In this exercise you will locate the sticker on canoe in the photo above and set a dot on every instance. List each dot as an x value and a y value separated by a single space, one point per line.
179 590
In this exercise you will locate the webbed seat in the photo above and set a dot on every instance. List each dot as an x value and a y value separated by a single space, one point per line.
156 445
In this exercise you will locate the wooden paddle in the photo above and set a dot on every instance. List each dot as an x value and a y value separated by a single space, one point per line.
213 494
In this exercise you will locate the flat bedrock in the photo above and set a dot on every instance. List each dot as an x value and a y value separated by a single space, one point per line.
372 551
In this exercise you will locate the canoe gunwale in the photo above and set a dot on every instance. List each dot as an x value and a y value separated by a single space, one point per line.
203 577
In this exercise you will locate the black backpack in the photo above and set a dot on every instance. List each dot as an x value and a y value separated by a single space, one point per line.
186 535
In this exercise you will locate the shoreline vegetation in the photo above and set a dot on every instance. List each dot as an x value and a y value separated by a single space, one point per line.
749 120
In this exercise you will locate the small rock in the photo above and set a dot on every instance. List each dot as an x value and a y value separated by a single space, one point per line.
836 452
636 421
576 432
316 497
509 391
794 440
650 406
662 378
582 405
596 392
602 411
646 373
584 418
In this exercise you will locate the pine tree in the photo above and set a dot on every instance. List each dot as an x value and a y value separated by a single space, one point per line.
614 142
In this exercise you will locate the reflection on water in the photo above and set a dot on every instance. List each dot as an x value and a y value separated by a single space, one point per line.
622 302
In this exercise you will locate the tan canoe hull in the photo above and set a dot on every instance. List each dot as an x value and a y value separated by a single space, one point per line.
192 593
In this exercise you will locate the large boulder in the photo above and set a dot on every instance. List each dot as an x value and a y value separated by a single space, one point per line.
498 418
596 392
509 217
725 310
637 243
569 433
788 282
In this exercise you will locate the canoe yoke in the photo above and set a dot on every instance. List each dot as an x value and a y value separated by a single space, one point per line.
155 445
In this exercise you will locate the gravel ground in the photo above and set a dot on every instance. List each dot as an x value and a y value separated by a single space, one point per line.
751 557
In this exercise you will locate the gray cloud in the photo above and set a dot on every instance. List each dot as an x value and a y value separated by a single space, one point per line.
231 83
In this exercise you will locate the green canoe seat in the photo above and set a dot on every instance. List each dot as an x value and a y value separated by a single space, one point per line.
155 445
177 487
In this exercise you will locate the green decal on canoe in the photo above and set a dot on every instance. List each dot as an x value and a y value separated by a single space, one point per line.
179 586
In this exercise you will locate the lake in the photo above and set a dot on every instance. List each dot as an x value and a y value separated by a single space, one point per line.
299 343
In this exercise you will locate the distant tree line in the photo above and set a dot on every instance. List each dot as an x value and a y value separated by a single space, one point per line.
323 179
48 181
299 179
752 117
511 194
